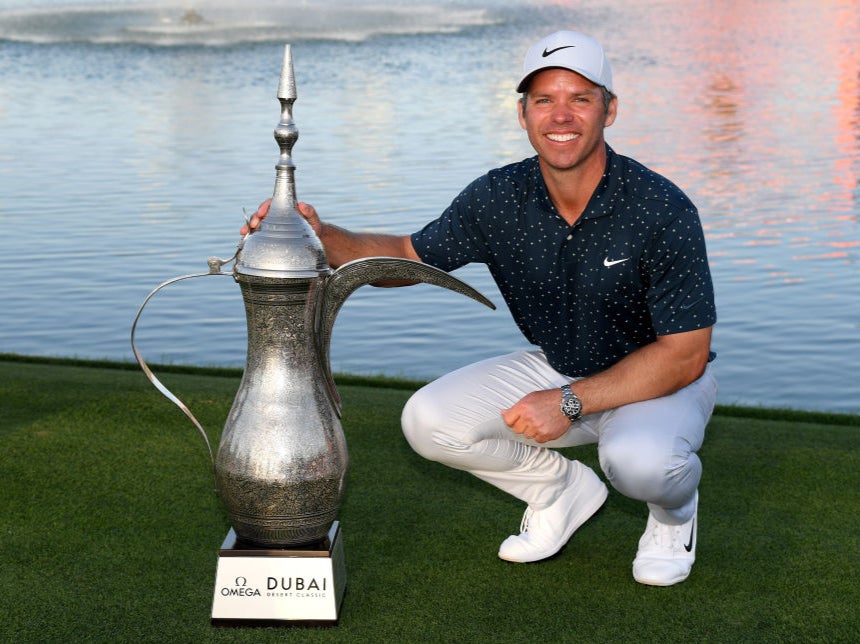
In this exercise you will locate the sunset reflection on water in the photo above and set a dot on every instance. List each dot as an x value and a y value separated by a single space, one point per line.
765 134
768 148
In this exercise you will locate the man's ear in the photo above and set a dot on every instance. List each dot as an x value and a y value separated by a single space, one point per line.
611 112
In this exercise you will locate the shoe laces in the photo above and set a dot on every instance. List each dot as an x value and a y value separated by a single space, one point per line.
666 536
524 523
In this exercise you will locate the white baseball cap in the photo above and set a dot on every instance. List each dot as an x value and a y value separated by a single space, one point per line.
569 50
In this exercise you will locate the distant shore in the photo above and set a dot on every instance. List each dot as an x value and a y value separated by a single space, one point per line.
390 382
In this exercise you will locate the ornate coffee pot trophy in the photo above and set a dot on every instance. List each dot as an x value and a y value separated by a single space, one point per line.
282 460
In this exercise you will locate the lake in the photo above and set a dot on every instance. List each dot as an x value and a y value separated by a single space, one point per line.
131 140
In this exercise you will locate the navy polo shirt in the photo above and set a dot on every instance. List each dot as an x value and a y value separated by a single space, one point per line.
632 267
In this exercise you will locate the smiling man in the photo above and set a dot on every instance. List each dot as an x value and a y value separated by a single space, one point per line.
602 264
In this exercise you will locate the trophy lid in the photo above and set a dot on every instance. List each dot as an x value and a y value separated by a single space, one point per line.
284 245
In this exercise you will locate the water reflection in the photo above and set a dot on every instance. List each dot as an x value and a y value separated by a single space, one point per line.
136 155
767 120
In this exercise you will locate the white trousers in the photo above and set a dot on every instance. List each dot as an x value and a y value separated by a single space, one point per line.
647 450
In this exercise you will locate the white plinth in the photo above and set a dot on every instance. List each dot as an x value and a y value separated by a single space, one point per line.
262 586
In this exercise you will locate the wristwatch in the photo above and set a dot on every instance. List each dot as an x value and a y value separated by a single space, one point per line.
571 405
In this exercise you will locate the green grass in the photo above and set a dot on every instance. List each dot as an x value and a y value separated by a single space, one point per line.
109 527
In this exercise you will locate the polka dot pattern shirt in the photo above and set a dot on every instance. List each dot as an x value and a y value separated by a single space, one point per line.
632 267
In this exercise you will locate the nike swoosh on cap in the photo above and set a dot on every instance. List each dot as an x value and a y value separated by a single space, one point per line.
550 52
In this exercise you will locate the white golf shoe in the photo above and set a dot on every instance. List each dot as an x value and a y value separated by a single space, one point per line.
666 552
544 532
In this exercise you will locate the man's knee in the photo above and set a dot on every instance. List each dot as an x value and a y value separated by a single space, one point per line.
419 419
433 432
665 474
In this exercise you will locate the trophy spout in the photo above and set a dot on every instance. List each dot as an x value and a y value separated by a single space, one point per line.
340 284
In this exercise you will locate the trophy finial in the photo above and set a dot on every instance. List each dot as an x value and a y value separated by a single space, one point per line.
287 86
286 133
285 246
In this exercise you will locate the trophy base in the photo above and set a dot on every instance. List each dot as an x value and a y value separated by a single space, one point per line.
302 585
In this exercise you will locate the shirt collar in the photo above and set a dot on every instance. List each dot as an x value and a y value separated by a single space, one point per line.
602 199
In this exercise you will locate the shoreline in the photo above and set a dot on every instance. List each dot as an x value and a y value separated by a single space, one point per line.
393 382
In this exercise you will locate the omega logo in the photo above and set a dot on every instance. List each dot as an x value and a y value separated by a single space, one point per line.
240 589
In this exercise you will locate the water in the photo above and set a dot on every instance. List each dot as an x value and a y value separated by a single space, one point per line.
131 141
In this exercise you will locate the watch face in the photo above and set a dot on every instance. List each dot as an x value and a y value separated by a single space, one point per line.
571 405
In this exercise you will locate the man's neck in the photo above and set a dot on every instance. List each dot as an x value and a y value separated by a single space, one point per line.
570 190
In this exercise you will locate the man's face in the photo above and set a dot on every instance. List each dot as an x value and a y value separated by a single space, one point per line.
564 117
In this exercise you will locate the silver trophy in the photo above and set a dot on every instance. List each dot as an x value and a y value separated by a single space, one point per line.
282 459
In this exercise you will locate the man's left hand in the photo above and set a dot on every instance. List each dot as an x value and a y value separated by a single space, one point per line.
538 416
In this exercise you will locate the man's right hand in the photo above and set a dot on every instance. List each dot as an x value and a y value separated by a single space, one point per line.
256 218
305 210
341 245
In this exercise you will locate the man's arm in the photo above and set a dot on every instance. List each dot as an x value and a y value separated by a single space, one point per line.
663 367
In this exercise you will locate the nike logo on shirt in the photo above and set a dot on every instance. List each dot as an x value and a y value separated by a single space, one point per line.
691 304
612 262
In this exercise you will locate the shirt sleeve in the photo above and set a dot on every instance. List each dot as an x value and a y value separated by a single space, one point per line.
680 293
456 237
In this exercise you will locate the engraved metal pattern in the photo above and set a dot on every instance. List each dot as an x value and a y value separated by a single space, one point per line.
282 460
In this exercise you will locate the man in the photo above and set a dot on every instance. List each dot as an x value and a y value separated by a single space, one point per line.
602 263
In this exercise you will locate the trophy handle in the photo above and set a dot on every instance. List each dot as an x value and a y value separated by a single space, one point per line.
214 269
340 284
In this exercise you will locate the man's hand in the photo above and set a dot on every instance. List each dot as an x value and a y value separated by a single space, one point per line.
256 218
305 210
341 245
538 416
